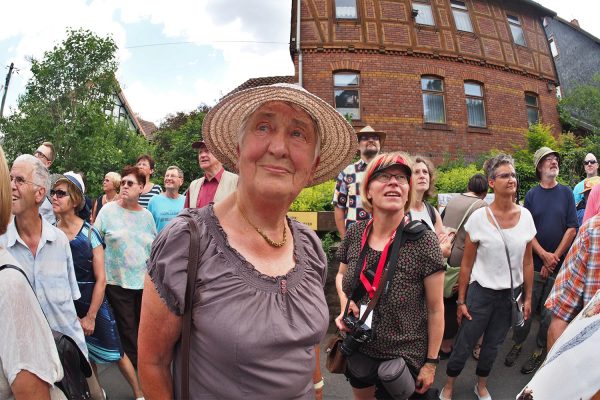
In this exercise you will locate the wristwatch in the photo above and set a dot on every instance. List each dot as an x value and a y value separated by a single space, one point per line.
432 360
460 302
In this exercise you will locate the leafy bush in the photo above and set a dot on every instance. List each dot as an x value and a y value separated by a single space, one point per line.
315 198
455 180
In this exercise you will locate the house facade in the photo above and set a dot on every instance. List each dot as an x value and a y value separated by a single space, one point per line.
441 77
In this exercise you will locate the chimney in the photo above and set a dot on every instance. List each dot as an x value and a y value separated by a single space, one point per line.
575 22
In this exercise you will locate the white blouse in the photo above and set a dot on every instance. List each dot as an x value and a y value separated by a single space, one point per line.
490 269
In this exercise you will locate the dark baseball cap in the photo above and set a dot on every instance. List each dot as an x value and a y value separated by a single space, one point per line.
197 144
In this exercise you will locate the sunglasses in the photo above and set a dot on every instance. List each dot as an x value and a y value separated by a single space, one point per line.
590 162
363 138
58 193
128 183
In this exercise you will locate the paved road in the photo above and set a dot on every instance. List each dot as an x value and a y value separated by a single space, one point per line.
504 382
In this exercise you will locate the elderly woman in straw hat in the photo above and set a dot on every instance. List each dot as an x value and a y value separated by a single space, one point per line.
258 310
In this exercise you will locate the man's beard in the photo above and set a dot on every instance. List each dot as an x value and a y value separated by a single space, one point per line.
370 153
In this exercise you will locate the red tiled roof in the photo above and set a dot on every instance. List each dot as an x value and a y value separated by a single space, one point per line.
148 128
266 80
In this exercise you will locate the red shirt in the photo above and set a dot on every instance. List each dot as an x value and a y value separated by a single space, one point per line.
207 191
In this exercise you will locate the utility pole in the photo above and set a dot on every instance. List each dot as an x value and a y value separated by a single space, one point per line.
10 71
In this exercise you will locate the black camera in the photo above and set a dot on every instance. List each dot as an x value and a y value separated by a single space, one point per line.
359 334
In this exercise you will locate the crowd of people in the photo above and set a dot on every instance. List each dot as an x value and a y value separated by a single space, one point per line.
216 293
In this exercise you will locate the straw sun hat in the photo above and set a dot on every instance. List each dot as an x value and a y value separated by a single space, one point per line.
221 126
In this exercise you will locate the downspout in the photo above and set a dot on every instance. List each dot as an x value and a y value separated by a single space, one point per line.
298 50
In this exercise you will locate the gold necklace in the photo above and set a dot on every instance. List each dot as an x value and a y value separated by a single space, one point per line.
261 233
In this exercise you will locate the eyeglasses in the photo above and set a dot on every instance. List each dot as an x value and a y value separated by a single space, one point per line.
128 183
384 177
20 181
363 138
506 175
590 162
39 154
58 193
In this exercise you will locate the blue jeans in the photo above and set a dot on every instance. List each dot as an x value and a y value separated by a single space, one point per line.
541 290
491 317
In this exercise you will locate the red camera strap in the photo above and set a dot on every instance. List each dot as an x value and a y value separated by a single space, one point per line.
372 287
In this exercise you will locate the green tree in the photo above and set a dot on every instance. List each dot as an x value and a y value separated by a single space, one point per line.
582 104
173 143
68 101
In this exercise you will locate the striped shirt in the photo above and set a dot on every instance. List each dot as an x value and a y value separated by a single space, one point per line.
145 197
579 278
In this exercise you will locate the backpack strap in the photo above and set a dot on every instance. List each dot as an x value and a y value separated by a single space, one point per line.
431 212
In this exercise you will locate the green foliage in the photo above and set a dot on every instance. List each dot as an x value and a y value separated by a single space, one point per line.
455 180
173 145
327 241
66 102
315 198
583 104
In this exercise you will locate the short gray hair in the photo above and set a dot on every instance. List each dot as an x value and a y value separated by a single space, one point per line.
40 175
246 119
491 165
175 167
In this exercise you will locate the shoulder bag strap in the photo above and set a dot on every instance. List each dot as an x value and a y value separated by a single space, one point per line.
10 266
388 273
193 259
512 288
463 220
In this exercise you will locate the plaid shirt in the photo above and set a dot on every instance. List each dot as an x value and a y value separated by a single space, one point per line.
347 192
579 278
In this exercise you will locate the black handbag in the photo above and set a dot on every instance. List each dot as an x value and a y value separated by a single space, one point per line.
75 366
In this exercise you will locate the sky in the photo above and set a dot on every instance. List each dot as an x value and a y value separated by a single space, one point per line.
177 55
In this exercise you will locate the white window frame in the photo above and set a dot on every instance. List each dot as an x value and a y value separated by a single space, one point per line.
459 8
553 47
515 26
425 13
430 92
346 11
480 98
340 87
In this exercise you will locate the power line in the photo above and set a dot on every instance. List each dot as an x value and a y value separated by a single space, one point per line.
197 43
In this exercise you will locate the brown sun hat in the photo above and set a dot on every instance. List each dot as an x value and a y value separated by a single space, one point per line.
222 123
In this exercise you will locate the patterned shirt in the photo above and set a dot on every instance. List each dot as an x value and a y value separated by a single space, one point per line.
128 236
52 274
145 197
347 192
579 278
400 317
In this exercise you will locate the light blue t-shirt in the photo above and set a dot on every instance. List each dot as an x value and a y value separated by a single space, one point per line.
128 236
164 209
578 192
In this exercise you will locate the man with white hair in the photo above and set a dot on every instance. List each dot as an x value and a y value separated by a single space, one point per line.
42 250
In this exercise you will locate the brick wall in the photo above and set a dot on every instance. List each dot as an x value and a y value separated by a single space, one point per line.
391 101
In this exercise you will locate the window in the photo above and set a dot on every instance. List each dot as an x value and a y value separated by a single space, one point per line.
533 108
433 100
345 9
461 16
553 48
558 93
346 93
424 15
475 104
516 30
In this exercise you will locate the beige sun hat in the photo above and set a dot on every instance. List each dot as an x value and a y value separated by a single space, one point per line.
222 123
369 129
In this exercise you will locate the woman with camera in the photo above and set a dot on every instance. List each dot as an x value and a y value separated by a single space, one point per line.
403 259
486 308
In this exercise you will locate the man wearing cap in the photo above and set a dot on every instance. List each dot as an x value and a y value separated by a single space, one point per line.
553 209
46 154
346 197
42 250
216 183
590 164
167 205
